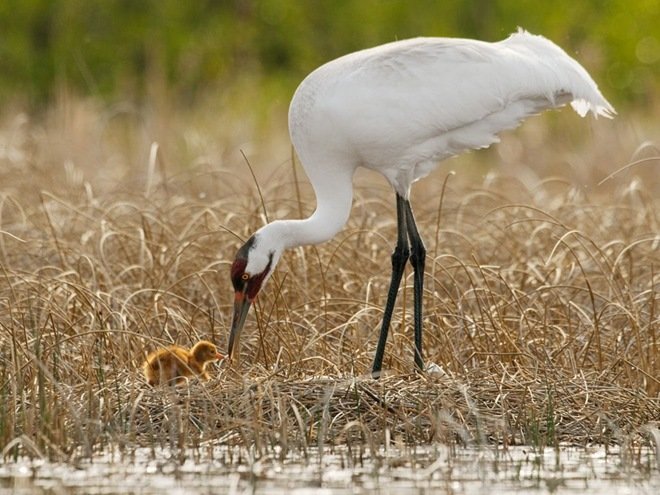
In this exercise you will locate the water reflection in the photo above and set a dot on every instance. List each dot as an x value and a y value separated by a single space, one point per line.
412 470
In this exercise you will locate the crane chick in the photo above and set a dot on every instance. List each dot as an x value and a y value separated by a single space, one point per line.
174 364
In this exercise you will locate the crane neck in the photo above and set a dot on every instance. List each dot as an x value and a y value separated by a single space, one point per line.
334 196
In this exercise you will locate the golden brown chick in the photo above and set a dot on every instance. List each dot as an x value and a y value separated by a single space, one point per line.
173 364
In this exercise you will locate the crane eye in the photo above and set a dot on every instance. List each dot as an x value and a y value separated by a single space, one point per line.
245 276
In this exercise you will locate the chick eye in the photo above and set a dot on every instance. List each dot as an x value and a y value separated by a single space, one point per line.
245 277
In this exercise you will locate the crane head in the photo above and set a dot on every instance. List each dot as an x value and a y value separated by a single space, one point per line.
251 268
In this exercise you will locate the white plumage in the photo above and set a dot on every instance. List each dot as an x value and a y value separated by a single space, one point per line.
399 109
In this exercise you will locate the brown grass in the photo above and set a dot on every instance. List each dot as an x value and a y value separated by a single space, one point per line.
542 306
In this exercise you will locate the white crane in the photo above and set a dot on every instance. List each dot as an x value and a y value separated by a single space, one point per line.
399 109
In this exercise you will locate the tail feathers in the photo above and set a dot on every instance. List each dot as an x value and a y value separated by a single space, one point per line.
575 83
603 108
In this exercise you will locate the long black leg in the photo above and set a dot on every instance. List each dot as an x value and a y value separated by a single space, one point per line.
417 260
399 259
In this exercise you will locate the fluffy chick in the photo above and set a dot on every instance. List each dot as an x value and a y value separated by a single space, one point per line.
174 364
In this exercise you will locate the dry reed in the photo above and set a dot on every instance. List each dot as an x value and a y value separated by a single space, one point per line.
542 312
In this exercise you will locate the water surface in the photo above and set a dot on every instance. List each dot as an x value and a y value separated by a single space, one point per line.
406 471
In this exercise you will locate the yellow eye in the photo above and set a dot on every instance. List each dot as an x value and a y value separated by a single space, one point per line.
245 276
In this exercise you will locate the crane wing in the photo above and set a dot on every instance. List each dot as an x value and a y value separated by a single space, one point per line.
403 106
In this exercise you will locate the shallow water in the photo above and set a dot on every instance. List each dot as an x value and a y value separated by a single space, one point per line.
436 469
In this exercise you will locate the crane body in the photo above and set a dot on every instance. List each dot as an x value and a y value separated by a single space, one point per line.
399 109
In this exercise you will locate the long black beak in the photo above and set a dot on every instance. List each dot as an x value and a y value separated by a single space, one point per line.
241 306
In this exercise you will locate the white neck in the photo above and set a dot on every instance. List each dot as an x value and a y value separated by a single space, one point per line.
333 186
333 206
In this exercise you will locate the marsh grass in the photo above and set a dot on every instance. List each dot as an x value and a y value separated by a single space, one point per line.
542 310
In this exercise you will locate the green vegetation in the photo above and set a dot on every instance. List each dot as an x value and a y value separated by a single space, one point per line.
131 50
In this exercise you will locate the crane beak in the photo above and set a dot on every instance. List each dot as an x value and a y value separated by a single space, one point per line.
241 306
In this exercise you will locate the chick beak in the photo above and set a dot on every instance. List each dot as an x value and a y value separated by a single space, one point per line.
241 306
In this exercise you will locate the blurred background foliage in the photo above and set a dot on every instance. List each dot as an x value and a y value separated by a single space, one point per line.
184 51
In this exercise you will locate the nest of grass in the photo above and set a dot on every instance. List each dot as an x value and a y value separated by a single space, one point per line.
293 415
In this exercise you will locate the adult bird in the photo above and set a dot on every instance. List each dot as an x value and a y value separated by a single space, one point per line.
399 109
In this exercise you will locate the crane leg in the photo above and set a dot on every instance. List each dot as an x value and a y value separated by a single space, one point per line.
417 260
399 258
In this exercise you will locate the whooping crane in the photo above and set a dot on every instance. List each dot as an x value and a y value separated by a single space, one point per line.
399 109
